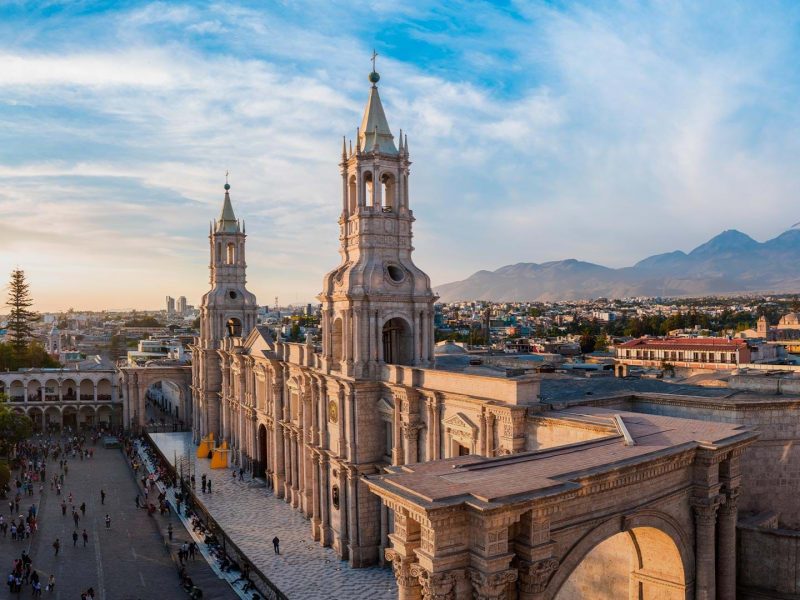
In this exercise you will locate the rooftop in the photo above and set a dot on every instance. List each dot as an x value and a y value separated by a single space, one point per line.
486 482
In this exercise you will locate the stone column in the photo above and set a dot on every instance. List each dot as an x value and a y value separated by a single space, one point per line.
404 540
295 470
534 577
491 586
397 436
287 468
730 478
411 435
315 498
325 514
705 518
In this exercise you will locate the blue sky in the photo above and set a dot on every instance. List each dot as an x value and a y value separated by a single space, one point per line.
538 131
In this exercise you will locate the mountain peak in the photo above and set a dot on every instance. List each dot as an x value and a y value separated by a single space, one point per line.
730 240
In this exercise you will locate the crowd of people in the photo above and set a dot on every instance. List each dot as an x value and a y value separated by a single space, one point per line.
29 476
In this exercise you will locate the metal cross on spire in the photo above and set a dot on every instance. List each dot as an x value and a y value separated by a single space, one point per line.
374 56
226 175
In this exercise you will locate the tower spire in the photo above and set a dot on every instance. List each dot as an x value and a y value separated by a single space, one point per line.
227 222
374 130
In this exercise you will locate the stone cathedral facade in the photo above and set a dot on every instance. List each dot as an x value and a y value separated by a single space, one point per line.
315 419
468 484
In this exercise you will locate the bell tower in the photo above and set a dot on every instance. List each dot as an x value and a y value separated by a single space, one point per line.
377 306
227 310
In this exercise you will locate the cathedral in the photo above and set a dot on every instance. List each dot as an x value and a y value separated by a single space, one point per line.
466 483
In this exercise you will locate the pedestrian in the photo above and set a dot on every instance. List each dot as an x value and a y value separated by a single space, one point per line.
137 500
57 546
74 538
193 549
208 486
85 538
63 508
83 508
75 517
108 522
102 497
169 531
275 542
241 474
51 583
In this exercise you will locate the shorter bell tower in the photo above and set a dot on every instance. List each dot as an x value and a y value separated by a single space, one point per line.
228 309
377 306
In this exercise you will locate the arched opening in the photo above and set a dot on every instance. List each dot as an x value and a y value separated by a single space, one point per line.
352 195
337 341
261 467
388 183
17 393
51 390
104 389
52 418
37 416
69 390
104 416
398 342
35 391
642 563
86 416
230 257
369 189
87 389
69 418
234 327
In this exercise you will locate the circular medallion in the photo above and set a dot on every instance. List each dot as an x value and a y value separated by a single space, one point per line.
333 412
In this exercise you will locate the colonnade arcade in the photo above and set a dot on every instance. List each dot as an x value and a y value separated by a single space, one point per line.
70 388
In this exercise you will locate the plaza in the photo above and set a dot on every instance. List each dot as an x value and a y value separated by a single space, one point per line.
250 515
128 561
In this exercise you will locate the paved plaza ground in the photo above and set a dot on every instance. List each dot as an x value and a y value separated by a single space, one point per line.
129 561
252 516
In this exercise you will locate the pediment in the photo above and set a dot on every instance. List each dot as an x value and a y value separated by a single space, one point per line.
385 407
259 340
461 422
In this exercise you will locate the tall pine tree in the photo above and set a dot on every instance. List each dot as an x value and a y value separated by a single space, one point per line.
21 318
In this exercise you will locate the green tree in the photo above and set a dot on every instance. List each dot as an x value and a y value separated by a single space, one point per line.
601 342
21 317
587 341
14 427
117 347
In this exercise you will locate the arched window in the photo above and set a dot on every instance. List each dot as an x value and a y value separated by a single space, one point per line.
352 193
388 183
231 256
398 342
337 341
369 189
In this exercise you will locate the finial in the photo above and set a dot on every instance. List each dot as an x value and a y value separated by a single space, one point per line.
344 146
401 141
358 140
227 185
374 77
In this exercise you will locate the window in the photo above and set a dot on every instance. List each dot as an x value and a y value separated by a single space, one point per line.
388 436
231 256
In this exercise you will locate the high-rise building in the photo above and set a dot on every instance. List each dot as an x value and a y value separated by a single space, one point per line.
181 306
170 306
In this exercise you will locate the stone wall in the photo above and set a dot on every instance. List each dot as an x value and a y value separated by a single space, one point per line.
544 433
768 564
604 573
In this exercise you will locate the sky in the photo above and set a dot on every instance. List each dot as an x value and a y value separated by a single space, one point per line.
602 131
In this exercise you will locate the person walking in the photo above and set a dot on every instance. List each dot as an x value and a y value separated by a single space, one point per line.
208 486
51 583
63 508
75 518
102 496
137 500
57 546
85 538
74 538
108 522
83 509
275 543
169 531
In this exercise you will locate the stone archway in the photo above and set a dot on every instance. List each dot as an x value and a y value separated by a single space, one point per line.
37 416
398 342
646 561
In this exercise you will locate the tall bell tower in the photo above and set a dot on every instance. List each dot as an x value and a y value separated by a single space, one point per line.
228 309
377 306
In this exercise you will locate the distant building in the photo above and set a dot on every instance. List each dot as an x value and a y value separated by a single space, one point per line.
170 306
181 306
692 353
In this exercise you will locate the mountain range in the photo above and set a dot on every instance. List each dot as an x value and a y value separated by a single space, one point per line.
731 262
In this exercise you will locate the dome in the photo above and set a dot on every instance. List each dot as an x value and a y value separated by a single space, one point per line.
448 348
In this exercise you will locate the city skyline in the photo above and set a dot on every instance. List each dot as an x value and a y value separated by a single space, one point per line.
600 134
